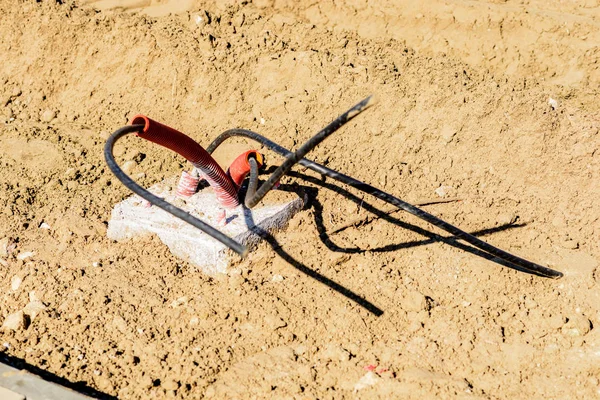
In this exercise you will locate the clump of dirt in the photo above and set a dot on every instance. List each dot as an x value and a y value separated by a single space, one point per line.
492 104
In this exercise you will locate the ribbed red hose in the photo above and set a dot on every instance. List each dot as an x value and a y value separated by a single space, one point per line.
240 167
188 183
183 145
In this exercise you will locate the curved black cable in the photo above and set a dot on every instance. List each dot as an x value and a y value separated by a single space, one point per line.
157 201
388 198
253 180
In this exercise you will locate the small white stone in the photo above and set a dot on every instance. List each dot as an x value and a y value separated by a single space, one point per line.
199 20
466 304
553 103
128 166
47 116
26 255
44 225
368 379
15 282
15 321
262 121
443 190
194 321
34 307
277 278
95 264
4 245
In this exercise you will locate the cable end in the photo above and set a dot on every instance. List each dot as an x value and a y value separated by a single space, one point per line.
371 101
557 275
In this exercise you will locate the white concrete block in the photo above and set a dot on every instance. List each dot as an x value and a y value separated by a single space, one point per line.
133 217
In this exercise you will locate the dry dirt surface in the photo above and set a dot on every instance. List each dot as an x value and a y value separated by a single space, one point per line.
494 103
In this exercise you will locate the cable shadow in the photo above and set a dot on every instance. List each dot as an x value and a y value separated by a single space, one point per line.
431 237
361 301
80 387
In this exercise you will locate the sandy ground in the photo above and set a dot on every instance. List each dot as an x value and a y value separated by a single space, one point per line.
465 91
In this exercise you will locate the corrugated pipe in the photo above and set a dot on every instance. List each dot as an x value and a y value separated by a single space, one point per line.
225 190
240 167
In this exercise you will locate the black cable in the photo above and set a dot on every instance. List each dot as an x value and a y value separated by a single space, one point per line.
388 198
253 181
293 158
157 201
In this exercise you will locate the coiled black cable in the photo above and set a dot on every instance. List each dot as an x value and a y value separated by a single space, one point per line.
366 188
253 197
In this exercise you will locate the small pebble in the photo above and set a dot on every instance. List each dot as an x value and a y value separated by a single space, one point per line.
44 225
4 244
16 321
128 166
553 103
443 190
47 116
507 219
25 255
368 379
15 283
34 307
277 278
199 20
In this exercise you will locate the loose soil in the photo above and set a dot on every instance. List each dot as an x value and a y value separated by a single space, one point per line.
494 103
